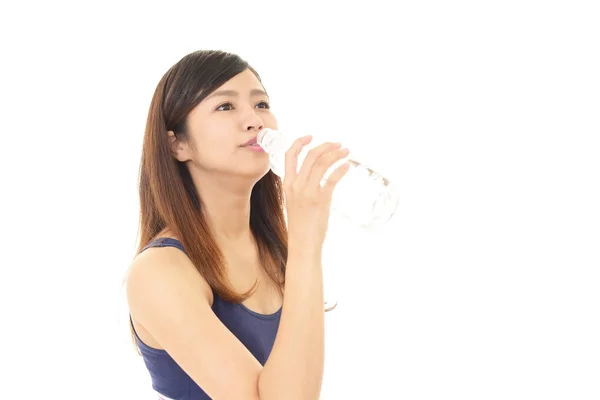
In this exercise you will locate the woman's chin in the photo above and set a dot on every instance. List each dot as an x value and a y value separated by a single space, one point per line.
257 171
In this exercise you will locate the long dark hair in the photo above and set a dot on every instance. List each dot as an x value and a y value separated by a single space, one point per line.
168 197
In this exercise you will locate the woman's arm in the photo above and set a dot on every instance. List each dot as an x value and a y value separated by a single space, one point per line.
294 369
171 300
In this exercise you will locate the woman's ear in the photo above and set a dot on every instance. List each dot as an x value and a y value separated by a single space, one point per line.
179 148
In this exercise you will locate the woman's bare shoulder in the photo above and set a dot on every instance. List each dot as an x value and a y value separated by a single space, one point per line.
156 265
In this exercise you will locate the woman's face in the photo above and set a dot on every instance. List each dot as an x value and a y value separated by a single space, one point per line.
222 123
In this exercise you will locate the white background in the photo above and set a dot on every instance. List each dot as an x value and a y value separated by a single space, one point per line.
486 114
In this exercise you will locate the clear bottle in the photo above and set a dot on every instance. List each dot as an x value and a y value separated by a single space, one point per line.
363 196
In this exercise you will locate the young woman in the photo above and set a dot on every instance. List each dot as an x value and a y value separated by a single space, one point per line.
225 295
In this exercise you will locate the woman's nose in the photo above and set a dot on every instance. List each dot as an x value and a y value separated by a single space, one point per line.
254 122
257 127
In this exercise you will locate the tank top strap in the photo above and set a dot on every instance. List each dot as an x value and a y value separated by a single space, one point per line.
165 242
170 242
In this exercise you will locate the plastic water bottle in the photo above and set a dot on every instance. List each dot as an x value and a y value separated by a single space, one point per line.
363 196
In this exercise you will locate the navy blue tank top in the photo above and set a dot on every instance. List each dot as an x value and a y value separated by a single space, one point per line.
256 331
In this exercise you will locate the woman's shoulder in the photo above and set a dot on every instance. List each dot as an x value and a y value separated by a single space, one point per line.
164 289
163 262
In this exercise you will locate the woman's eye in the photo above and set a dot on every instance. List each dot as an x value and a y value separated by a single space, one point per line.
265 104
229 106
220 108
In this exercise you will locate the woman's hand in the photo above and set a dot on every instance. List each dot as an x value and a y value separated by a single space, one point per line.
308 204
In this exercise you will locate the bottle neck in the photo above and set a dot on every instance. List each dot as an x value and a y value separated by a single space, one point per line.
266 137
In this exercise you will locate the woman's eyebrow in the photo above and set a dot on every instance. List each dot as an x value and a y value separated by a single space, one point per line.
233 93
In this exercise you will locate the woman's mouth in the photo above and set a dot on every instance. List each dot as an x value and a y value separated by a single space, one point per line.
254 147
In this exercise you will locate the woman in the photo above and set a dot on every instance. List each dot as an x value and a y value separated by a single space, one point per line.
225 298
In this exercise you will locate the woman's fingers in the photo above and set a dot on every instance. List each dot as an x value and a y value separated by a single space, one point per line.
291 158
323 164
313 156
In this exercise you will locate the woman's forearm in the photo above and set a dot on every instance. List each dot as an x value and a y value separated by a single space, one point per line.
294 369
